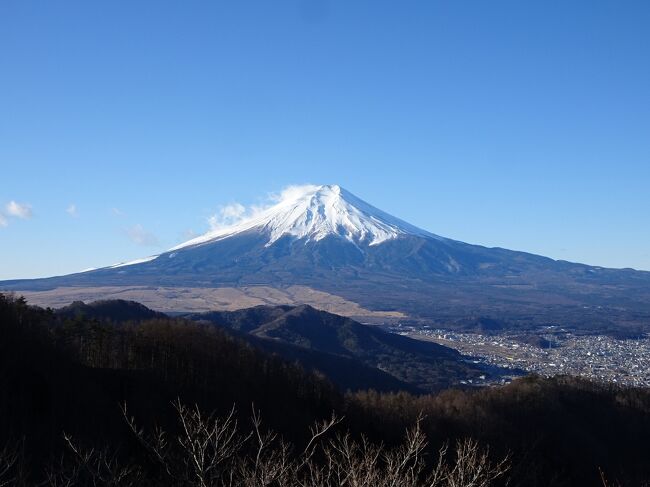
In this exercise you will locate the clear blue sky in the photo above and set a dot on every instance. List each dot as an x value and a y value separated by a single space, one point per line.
524 125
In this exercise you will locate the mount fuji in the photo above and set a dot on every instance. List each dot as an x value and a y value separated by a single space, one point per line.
324 246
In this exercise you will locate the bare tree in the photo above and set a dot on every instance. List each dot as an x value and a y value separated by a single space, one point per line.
8 464
472 467
204 453
92 467
210 444
211 451
359 464
156 445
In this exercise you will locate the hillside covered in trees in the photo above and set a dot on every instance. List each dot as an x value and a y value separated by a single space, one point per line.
66 378
406 363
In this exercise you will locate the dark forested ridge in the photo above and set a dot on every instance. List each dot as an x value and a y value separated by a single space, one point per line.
62 373
352 355
416 364
115 310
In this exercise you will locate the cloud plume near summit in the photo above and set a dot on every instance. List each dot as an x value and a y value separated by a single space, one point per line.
235 213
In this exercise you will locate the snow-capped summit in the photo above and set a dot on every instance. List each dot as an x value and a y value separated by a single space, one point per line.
315 212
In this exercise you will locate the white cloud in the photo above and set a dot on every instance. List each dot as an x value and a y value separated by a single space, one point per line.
291 193
3 221
235 213
117 212
227 215
72 211
19 210
140 236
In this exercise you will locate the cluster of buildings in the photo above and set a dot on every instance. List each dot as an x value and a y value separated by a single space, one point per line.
554 351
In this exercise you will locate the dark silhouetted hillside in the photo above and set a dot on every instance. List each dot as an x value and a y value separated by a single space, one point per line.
421 364
117 310
59 374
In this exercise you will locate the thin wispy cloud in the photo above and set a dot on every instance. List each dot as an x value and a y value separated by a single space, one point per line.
117 212
188 235
137 234
3 221
72 211
227 215
18 210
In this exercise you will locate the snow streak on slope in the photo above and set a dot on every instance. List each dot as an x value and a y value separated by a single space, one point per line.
315 212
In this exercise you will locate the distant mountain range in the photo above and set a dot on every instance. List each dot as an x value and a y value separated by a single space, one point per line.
323 246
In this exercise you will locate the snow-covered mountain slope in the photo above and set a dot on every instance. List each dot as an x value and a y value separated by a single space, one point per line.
315 212
309 213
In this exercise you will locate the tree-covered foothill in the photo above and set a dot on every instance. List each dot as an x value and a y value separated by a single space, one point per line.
93 401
